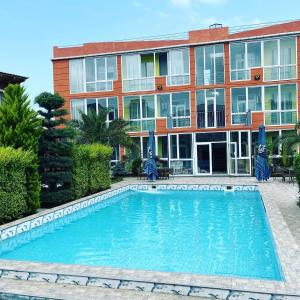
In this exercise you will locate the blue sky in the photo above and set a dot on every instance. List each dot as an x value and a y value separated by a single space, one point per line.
29 29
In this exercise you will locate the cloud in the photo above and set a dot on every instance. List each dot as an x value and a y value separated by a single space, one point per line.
181 3
188 3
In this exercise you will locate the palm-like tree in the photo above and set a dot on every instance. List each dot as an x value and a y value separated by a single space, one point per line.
94 128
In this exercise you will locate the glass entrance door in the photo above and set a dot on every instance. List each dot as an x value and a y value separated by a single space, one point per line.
204 161
232 158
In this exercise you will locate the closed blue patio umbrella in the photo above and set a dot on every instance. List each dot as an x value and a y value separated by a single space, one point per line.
150 165
262 171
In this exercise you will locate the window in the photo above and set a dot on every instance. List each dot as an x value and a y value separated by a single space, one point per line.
162 147
181 153
140 112
180 106
210 108
138 72
77 108
111 104
163 105
280 59
100 73
178 67
84 106
280 104
244 101
238 105
209 65
92 74
77 82
243 57
176 107
239 152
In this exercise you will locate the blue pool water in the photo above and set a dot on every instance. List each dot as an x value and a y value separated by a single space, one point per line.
201 232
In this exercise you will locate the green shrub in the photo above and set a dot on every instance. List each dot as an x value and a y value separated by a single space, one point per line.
90 173
13 183
297 171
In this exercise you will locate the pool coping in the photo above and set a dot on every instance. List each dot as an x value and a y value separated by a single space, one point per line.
222 287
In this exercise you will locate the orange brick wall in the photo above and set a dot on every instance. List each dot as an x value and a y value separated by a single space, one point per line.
61 76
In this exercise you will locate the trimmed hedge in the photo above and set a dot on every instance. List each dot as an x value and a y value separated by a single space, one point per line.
297 172
14 165
90 169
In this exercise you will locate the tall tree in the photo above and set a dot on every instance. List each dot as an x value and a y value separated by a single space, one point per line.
93 128
20 127
54 151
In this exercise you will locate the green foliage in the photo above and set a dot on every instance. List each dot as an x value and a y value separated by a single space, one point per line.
136 166
20 127
297 171
13 183
119 170
54 151
93 128
285 155
90 169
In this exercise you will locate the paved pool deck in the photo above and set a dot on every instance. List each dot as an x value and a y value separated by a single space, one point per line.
280 199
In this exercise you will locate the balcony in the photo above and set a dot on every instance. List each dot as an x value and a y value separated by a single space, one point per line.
99 86
139 84
242 74
211 119
183 79
280 72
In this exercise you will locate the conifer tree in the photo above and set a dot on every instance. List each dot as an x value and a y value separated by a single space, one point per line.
54 151
20 127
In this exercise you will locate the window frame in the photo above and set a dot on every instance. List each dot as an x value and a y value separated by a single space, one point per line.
279 104
196 71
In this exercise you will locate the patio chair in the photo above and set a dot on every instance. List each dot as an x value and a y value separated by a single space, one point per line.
278 171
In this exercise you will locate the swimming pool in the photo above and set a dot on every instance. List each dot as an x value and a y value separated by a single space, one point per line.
212 232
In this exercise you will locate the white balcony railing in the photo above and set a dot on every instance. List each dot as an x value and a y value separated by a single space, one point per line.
242 74
99 86
139 84
280 72
178 79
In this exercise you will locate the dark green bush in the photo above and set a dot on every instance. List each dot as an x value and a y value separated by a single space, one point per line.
13 183
297 171
90 173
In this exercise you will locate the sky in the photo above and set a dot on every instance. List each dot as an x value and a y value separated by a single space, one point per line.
30 28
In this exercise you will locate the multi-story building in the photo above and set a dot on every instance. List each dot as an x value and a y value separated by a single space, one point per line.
7 78
204 95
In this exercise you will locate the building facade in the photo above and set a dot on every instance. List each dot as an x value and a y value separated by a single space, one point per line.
204 95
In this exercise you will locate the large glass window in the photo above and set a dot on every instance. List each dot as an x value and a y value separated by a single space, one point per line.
239 152
138 72
77 108
140 112
180 105
76 74
209 64
178 67
100 73
84 106
210 108
243 102
176 107
243 57
280 104
238 105
163 105
111 104
181 153
238 62
280 59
